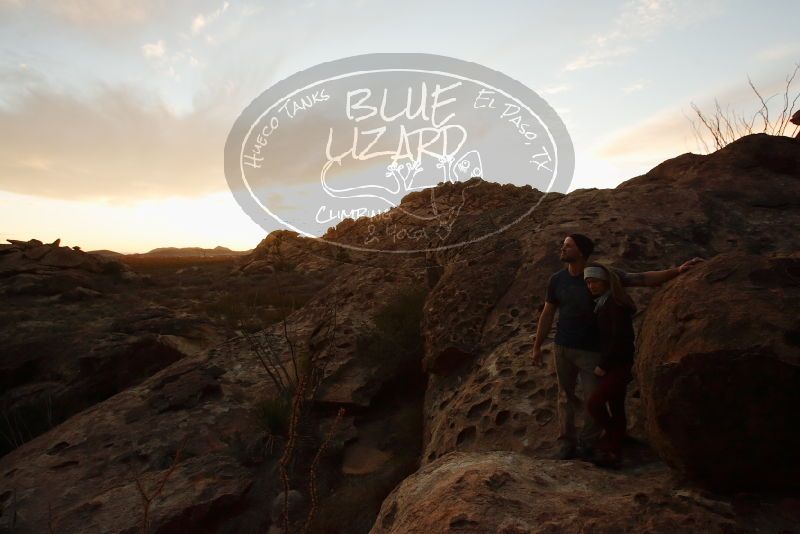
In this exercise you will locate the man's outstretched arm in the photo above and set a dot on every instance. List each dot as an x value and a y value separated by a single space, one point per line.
656 278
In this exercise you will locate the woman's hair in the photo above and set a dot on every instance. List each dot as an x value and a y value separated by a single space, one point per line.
618 292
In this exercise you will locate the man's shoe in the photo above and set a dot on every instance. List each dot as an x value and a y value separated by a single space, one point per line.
584 451
607 459
566 452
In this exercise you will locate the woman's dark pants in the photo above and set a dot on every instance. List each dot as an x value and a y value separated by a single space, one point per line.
611 392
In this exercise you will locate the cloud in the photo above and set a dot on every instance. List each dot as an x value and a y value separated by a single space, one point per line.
154 50
598 57
554 90
201 20
638 86
167 64
91 12
22 79
102 11
198 23
639 21
116 145
670 131
780 51
660 136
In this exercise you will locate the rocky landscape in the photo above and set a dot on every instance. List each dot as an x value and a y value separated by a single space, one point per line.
393 392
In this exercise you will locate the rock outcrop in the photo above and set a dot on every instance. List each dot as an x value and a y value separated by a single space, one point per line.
284 250
34 268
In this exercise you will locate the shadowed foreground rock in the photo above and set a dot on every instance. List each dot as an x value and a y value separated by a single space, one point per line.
719 368
81 475
505 492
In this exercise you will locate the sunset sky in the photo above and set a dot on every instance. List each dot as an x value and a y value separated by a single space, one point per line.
114 114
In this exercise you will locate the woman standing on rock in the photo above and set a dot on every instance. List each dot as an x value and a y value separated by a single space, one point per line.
614 311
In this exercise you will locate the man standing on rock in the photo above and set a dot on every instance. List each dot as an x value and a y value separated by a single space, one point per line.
576 342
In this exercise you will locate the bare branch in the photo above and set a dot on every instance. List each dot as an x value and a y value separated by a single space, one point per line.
714 132
312 488
725 125
788 110
764 111
148 499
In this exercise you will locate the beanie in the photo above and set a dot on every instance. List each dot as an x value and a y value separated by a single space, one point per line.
585 245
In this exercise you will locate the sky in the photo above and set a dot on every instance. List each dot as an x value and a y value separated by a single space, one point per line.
114 114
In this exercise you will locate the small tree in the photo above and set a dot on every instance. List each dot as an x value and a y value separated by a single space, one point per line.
295 380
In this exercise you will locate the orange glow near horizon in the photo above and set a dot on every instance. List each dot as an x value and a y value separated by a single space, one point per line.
207 222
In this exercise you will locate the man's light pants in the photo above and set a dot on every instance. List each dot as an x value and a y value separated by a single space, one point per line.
570 363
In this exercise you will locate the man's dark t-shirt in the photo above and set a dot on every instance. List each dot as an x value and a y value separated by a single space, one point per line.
576 325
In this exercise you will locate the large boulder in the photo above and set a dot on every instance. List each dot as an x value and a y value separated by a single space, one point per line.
719 368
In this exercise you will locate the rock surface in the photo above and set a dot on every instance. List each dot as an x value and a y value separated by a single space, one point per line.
62 356
719 363
510 493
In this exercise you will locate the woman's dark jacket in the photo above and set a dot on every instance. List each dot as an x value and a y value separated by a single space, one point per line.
615 329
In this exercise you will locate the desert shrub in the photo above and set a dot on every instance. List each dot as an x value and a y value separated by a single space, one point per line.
342 255
396 335
163 265
22 423
284 265
272 414
250 310
112 267
253 306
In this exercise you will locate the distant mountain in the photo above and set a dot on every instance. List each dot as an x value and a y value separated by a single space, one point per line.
193 251
105 252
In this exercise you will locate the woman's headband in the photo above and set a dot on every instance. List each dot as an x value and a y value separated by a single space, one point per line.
595 272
